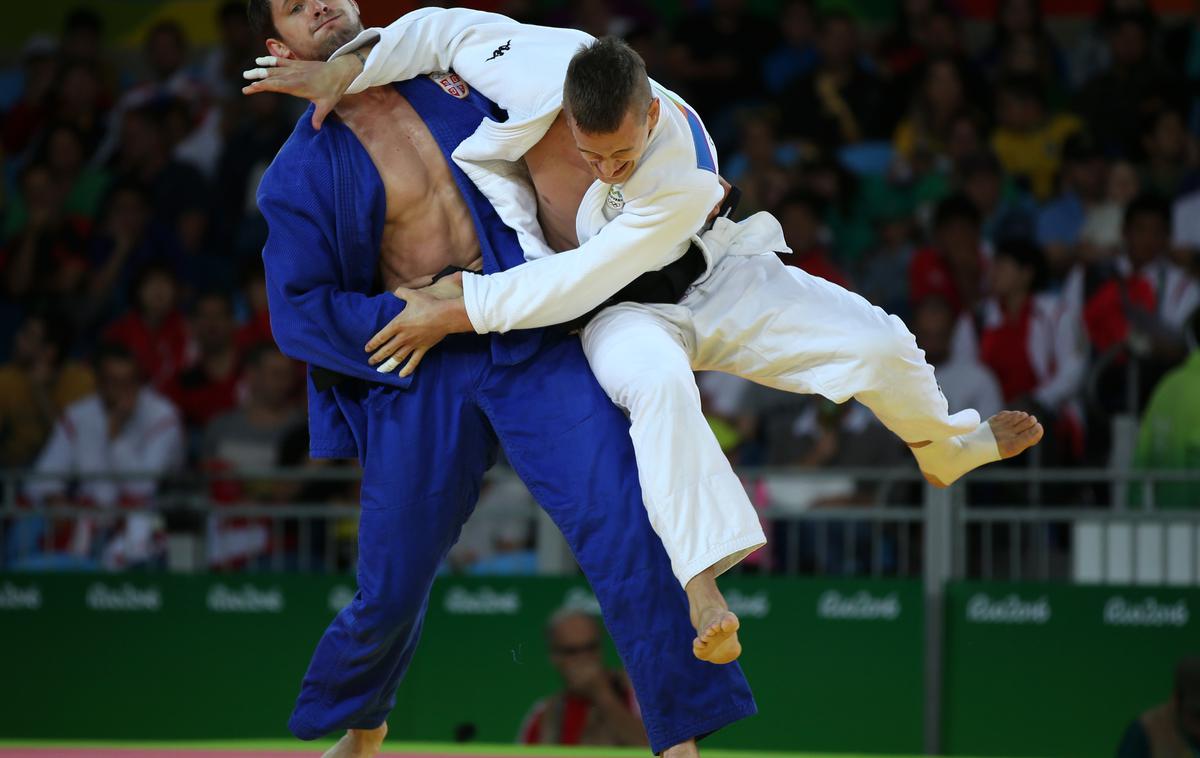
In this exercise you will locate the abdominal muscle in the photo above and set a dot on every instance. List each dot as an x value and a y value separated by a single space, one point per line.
427 225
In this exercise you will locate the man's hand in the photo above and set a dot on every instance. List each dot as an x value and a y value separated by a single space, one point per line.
424 322
322 83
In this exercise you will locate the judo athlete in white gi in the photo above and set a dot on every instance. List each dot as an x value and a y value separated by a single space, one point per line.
624 180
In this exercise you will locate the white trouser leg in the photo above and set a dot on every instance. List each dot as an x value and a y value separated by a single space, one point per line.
779 326
696 503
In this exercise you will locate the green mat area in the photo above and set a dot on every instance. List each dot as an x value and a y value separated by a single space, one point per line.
422 748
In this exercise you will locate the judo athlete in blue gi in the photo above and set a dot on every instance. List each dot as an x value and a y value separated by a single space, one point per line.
373 201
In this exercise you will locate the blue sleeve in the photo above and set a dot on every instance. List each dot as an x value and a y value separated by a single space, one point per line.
313 318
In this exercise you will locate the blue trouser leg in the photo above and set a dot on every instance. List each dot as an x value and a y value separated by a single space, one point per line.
426 451
571 446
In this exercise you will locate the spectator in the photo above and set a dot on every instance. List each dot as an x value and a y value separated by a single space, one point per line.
1021 45
1028 138
1034 343
251 436
144 157
1006 212
1185 233
256 319
1172 728
223 66
1169 437
128 239
209 386
155 331
266 124
800 216
922 137
23 118
1115 102
124 427
36 385
46 258
954 266
1170 154
883 275
717 55
512 552
61 150
1100 237
837 103
1061 222
595 706
965 381
761 166
1140 300
797 53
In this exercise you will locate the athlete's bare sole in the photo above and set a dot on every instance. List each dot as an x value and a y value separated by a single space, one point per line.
716 626
358 743
1015 432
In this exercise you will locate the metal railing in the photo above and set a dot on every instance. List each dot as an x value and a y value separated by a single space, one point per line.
1028 524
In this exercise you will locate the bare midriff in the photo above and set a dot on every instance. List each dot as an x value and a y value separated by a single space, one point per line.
560 177
427 225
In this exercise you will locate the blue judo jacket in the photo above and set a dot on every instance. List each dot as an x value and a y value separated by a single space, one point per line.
324 203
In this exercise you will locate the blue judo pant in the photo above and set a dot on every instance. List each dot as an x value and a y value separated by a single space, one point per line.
424 451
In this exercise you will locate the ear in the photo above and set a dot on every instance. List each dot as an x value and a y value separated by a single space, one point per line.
278 49
653 114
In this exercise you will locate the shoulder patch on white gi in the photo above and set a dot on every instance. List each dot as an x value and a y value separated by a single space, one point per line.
450 83
616 199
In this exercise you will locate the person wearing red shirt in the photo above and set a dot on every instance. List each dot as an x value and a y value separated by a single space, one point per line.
209 386
1034 342
800 216
154 331
953 268
595 706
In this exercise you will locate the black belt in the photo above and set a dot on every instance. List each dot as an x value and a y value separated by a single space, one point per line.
666 285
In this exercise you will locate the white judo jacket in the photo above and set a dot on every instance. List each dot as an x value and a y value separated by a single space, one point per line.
624 230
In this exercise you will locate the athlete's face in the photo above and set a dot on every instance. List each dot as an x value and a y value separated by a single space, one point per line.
613 156
311 30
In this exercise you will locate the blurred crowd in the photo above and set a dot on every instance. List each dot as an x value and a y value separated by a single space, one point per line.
1024 193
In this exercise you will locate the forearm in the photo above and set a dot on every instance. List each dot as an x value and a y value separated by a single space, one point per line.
626 726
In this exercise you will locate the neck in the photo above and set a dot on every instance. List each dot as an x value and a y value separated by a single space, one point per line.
1014 302
367 101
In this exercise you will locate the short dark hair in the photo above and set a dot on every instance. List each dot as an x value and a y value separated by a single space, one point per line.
604 81
83 19
1148 203
261 23
113 351
1027 255
957 207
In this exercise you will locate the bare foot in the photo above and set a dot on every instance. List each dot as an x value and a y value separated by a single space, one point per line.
716 627
1015 432
682 750
716 638
358 743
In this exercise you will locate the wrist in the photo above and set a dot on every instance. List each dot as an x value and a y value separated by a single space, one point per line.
453 314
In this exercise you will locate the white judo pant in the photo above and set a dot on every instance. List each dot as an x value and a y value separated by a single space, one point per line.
754 317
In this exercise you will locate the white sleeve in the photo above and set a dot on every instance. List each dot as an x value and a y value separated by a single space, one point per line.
58 456
1070 361
565 286
520 67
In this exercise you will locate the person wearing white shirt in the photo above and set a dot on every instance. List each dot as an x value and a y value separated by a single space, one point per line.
123 428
